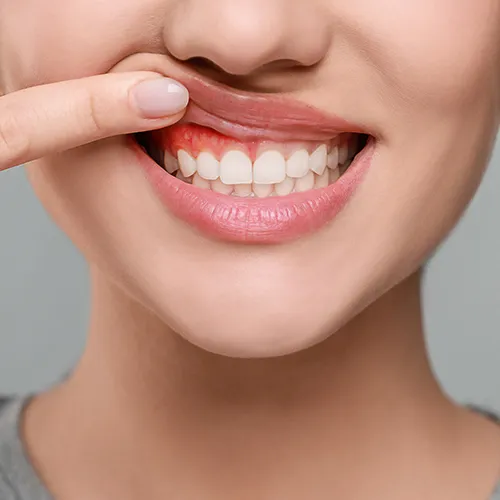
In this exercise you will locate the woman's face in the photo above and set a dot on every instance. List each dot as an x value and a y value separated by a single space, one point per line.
420 78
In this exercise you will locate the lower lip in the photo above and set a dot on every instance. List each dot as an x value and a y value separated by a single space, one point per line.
270 220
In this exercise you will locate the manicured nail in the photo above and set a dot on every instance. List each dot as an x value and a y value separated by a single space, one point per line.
160 97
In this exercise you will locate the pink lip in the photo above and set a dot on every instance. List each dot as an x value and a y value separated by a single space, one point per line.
255 220
250 116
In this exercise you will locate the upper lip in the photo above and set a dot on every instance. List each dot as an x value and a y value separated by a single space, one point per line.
251 116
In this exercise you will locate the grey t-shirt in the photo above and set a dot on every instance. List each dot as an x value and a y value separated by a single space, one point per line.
18 480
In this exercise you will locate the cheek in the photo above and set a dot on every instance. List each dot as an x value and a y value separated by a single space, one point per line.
434 54
64 39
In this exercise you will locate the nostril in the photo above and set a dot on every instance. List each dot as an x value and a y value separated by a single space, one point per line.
202 62
205 65
208 68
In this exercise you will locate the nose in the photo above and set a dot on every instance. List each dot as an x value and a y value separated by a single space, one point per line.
241 36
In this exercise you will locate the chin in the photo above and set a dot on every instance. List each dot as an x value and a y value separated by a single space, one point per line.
257 338
250 329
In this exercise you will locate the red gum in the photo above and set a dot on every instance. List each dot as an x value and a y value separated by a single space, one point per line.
195 138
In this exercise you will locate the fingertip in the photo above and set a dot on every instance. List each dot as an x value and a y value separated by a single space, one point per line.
159 98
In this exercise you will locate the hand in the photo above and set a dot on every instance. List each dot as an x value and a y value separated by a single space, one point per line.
47 119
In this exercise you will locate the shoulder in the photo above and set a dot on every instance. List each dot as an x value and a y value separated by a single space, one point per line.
9 410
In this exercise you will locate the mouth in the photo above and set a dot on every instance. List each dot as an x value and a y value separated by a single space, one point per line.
254 169
209 160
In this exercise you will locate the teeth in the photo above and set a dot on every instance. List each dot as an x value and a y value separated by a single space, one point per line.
187 163
269 168
317 161
208 166
343 153
333 158
285 187
243 190
181 177
262 190
305 183
220 187
200 182
270 175
321 180
171 164
298 164
236 168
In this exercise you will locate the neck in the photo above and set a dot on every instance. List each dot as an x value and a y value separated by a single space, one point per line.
160 400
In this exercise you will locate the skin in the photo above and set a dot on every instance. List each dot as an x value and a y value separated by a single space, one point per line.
184 371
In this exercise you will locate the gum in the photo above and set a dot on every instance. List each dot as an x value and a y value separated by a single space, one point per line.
195 138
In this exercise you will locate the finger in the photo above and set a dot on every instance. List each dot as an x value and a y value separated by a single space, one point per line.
50 118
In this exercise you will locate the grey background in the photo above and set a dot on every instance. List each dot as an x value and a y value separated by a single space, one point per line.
44 296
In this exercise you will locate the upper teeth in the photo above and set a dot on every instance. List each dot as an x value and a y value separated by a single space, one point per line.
187 163
271 167
273 173
235 168
318 160
208 166
298 164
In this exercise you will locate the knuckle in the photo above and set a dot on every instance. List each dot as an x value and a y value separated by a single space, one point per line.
95 119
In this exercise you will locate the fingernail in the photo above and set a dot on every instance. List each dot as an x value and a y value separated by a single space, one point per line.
160 97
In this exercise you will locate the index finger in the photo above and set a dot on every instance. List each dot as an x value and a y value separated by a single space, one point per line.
50 118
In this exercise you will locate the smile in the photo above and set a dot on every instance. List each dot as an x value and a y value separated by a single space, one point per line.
260 179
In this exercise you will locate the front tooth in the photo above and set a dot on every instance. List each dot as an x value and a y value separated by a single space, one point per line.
269 168
343 153
285 187
220 187
187 163
305 183
208 166
322 180
262 190
334 175
243 190
317 161
333 158
298 164
236 168
200 182
171 164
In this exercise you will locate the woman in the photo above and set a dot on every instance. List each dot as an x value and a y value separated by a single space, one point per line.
256 327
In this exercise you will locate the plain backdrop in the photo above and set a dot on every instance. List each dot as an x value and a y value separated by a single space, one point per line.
44 292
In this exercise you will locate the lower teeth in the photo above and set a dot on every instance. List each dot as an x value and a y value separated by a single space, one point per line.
288 186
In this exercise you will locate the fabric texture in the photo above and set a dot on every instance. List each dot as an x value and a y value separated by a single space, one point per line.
18 479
